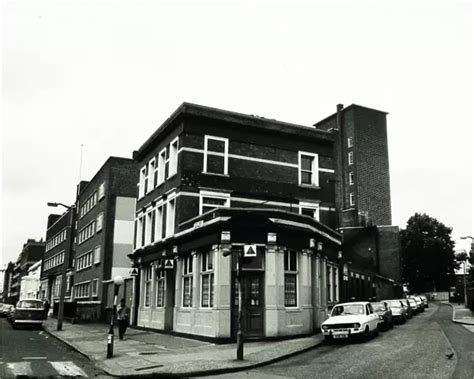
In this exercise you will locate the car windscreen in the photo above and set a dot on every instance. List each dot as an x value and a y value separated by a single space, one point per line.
348 309
395 304
30 304
412 302
378 306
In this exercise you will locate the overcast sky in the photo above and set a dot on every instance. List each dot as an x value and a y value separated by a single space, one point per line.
107 74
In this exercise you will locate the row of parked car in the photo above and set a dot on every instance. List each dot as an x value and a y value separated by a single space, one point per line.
364 318
26 312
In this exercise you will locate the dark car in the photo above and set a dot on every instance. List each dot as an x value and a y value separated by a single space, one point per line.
408 307
414 305
385 314
5 310
28 312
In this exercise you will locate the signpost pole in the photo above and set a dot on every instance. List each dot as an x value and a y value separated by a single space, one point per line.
240 333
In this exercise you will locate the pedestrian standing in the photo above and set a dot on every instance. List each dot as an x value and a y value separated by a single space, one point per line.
123 318
46 307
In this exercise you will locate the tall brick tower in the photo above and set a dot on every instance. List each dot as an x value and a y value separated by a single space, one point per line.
362 172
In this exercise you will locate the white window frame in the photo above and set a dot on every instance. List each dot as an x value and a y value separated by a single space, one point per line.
141 183
207 270
213 195
159 222
161 166
187 274
352 198
81 288
312 206
150 175
351 178
101 191
350 157
350 142
225 155
314 169
173 158
100 222
97 253
147 280
96 283
170 216
160 281
148 225
288 271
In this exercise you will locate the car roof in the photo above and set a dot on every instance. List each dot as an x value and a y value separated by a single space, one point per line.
354 303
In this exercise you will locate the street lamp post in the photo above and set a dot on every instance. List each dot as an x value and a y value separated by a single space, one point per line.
62 294
118 281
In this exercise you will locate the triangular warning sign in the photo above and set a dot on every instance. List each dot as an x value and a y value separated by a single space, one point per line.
169 263
250 250
133 271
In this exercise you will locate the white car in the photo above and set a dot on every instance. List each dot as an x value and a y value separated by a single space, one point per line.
351 319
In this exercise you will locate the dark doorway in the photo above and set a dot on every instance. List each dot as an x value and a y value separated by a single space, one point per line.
252 304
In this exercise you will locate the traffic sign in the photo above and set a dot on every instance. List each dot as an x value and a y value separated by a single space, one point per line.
250 250
169 264
133 271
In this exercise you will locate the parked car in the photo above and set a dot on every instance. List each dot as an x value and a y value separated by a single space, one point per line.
424 299
5 309
351 319
408 307
414 305
28 312
419 302
385 314
399 312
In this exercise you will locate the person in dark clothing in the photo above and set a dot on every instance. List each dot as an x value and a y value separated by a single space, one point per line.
46 307
123 318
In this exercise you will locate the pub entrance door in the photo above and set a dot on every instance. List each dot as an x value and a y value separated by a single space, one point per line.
252 304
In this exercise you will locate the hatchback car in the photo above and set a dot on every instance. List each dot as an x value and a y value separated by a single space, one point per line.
424 299
351 319
408 307
385 314
399 312
28 312
419 303
414 305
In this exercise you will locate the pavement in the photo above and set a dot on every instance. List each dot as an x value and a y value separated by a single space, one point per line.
148 353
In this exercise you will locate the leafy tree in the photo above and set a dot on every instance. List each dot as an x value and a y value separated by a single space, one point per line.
428 254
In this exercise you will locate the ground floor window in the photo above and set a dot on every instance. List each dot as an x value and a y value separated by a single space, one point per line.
332 283
188 282
160 288
291 278
207 280
147 271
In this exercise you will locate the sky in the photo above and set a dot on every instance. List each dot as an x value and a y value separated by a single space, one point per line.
106 74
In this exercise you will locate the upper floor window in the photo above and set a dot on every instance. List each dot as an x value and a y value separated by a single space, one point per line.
216 155
173 158
150 180
101 190
351 178
352 198
310 209
210 200
308 169
350 142
350 157
142 186
170 217
161 166
100 221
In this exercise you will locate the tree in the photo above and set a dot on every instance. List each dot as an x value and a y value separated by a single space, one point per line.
428 254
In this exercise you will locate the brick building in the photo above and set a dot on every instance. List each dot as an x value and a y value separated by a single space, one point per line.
105 220
213 181
362 191
32 252
7 283
59 255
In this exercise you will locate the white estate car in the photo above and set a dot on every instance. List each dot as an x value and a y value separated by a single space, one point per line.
351 319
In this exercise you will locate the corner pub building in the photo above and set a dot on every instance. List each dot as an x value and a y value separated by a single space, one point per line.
213 181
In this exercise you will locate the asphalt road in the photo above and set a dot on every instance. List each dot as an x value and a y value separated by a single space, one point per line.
33 353
416 349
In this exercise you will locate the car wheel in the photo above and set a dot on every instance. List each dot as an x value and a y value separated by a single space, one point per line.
376 331
366 333
328 338
14 325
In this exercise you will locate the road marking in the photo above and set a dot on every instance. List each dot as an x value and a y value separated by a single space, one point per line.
32 358
20 368
68 369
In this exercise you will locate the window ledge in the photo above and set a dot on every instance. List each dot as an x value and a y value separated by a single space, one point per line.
293 309
309 186
215 174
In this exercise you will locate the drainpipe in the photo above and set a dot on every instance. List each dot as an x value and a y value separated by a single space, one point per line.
339 108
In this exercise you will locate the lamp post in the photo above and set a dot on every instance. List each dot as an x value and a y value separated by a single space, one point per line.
118 281
62 294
